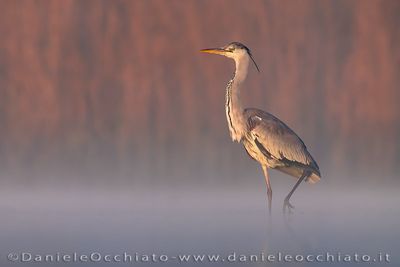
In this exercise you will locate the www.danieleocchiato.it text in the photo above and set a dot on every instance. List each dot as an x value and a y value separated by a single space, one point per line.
126 257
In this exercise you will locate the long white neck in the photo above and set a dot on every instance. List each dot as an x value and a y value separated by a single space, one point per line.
233 107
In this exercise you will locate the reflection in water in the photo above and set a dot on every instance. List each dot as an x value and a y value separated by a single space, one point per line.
200 221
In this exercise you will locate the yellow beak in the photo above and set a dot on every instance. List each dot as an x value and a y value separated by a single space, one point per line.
218 51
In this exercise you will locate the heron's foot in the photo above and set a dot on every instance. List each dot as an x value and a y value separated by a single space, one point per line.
287 206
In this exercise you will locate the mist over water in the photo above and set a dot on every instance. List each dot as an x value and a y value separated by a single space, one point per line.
328 217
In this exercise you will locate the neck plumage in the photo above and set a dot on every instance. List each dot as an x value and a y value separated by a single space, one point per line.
233 107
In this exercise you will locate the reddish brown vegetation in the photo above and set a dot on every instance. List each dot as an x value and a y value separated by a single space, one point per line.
127 76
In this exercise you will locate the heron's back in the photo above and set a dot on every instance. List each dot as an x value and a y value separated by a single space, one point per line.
272 143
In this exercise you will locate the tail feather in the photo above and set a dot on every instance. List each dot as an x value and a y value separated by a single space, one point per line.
297 172
313 178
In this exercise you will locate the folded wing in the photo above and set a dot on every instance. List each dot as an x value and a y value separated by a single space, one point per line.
274 138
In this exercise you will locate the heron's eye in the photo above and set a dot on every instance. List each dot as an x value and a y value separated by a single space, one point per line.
231 49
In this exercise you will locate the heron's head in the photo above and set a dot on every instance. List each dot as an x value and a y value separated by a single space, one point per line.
234 50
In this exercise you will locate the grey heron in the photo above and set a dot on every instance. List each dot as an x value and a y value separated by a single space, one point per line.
266 139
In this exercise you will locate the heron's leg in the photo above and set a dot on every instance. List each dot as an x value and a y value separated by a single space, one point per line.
286 203
269 188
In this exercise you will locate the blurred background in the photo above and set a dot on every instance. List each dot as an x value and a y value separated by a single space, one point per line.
114 95
119 87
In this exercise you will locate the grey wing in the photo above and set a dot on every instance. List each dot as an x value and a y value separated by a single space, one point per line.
278 140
